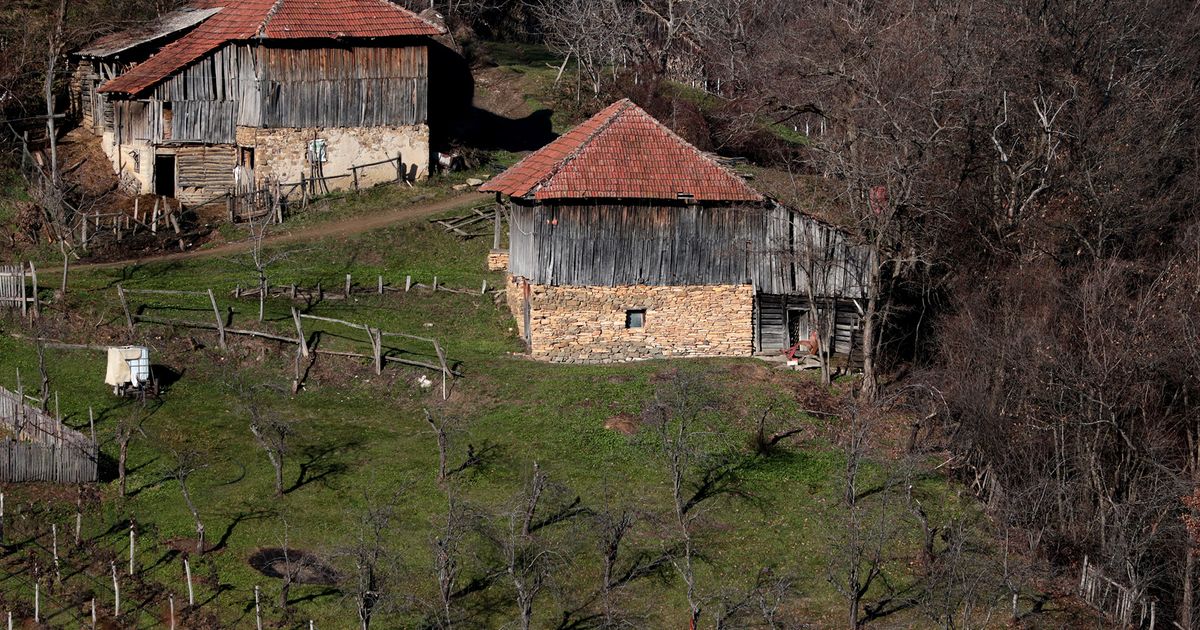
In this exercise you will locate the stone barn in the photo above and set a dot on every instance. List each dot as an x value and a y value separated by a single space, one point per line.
226 93
626 242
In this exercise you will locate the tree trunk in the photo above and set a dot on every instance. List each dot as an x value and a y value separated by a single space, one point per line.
122 457
870 382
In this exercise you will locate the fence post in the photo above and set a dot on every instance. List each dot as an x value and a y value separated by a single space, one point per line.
399 169
24 300
187 572
354 171
116 591
435 284
347 285
220 320
125 307
377 347
379 284
407 283
300 332
37 309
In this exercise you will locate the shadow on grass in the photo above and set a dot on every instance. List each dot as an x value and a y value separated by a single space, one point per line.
319 463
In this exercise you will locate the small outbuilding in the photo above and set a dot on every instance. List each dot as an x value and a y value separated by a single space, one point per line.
626 242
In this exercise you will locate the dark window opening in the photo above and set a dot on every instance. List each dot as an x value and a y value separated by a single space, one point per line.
246 157
635 318
164 175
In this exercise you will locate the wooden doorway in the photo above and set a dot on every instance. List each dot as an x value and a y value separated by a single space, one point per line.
164 174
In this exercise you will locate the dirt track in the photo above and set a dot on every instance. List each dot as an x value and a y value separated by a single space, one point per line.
340 228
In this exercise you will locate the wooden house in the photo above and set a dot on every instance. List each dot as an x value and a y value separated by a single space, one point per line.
626 242
225 93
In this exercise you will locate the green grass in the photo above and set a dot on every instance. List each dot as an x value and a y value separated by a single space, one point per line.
362 438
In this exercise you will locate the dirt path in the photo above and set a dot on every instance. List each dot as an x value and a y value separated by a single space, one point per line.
338 228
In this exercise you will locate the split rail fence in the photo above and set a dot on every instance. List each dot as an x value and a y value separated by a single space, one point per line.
379 354
39 447
19 288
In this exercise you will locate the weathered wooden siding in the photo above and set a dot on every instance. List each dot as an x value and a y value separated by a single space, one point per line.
771 315
776 249
138 121
203 172
277 86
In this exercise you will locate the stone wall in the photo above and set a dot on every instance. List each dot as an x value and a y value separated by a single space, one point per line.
497 260
282 153
588 324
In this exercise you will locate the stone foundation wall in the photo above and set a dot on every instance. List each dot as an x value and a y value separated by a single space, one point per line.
282 153
588 324
497 260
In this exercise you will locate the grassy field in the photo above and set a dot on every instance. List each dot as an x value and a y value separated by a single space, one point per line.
361 440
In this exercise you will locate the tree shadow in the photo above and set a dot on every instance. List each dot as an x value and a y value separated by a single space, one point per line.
319 464
238 519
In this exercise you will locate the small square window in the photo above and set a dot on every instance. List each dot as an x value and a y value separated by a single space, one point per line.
635 318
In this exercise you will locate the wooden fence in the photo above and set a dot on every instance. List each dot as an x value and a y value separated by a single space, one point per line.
39 447
277 199
379 354
1121 604
14 292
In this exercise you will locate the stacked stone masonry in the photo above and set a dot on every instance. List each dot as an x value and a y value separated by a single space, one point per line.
497 260
573 324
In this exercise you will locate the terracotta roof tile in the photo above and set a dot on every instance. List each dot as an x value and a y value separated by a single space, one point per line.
621 153
241 20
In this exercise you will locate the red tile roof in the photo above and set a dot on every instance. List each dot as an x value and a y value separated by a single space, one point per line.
621 153
241 20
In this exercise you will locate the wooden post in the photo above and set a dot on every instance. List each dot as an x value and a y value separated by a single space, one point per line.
300 333
347 294
377 348
483 289
125 306
37 602
154 221
24 300
93 615
399 169
220 320
230 203
293 290
496 230
171 603
187 572
116 591
257 610
37 309
379 284
54 551
320 292
78 527
435 284
407 283
354 171
132 546
437 347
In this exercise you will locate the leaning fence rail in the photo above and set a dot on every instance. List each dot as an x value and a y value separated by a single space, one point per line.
39 447
1116 601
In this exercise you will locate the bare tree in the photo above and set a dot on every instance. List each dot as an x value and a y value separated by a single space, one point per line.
127 427
185 465
369 582
271 430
